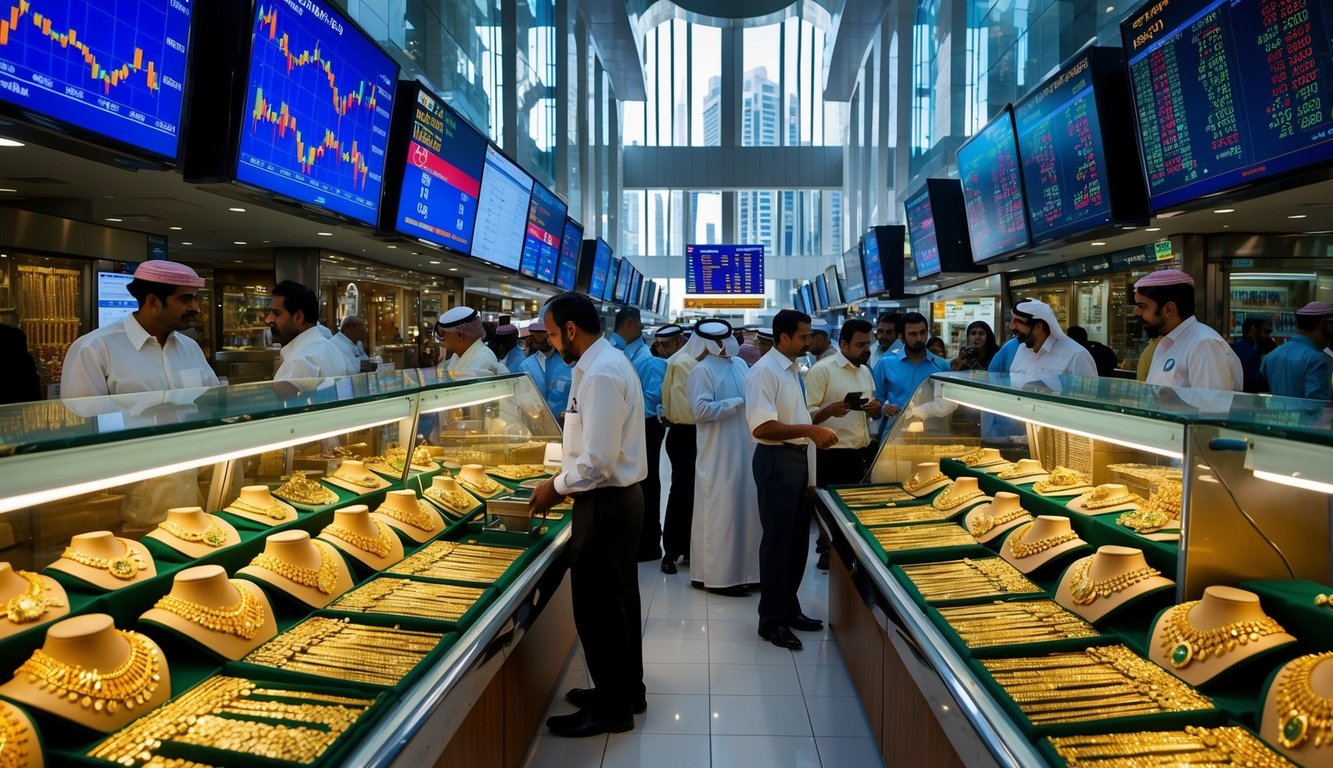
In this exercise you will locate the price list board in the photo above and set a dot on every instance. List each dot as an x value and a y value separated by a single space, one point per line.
988 167
1228 93
724 269
921 234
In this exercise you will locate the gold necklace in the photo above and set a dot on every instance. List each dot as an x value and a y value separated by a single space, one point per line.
420 518
243 621
1015 472
363 482
1185 645
379 545
303 490
916 482
1300 708
974 458
1021 549
214 536
130 684
273 511
455 499
1101 498
948 499
13 739
485 486
985 523
1143 520
324 578
33 602
1061 478
1085 591
125 567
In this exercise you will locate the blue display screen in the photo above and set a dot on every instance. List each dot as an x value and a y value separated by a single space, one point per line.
502 212
821 292
1228 92
874 269
921 234
541 240
808 294
621 293
711 269
442 177
854 283
1064 160
612 275
571 245
993 190
601 268
116 68
318 103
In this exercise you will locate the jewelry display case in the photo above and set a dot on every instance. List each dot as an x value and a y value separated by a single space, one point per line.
1149 539
273 546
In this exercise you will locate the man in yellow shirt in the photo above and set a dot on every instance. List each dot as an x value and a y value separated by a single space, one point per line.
680 446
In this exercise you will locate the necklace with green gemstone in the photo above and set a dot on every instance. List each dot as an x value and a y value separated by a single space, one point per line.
1301 709
1185 645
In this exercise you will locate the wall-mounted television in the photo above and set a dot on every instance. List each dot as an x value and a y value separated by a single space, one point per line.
882 250
621 290
612 278
821 293
992 179
853 278
594 267
541 240
724 269
571 248
502 211
937 230
808 296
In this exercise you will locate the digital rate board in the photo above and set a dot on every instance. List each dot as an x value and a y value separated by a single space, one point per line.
874 268
921 234
988 168
541 239
1228 92
722 269
441 176
571 247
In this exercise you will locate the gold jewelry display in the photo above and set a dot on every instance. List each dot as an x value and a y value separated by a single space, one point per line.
477 563
303 490
213 536
1085 591
1094 684
403 597
1021 549
949 499
1162 506
338 648
916 482
421 519
983 523
968 578
922 513
243 621
1101 497
274 511
324 578
1015 623
454 500
292 725
975 458
1184 644
1060 479
1192 746
517 471
129 685
13 738
926 536
484 485
396 458
369 481
874 496
32 603
380 545
1302 710
1324 601
125 567
1017 472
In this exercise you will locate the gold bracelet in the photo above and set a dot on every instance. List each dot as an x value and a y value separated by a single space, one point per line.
379 545
485 486
214 536
324 578
1060 479
32 603
131 684
243 621
125 567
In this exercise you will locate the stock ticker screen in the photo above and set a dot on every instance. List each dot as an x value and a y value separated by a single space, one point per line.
714 269
541 239
571 247
442 177
921 234
993 190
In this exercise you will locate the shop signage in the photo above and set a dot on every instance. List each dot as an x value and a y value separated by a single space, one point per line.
714 302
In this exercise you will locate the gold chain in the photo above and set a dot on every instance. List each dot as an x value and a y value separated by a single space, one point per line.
984 523
363 482
303 490
1192 746
130 684
948 499
1060 478
421 518
243 621
1085 591
1101 498
1021 549
1300 708
274 511
324 578
1185 645
32 603
485 485
214 536
1014 473
379 545
916 482
13 739
125 567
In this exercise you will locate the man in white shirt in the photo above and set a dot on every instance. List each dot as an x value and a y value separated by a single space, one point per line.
681 439
293 319
602 465
784 475
460 333
350 340
1189 353
1043 348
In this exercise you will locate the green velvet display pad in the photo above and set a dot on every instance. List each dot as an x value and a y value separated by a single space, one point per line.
1292 604
910 586
913 556
464 621
1053 758
1010 651
516 485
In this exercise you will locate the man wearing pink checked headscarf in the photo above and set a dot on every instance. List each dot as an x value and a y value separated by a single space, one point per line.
1190 354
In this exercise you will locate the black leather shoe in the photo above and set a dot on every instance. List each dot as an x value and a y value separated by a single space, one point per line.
733 591
803 623
585 722
669 564
584 698
781 637
822 562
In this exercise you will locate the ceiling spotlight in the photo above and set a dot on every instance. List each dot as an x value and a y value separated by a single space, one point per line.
187 243
453 269
113 218
1225 210
1296 216
434 262
1152 229
238 242
9 142
174 229
236 210
324 234
7 189
1098 243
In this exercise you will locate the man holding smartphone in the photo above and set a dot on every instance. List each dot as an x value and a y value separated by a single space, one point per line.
840 394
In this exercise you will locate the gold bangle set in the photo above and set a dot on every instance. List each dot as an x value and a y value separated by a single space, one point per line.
1015 623
129 685
324 578
214 536
235 715
984 523
403 597
423 519
1192 746
303 490
243 621
1085 591
340 649
1184 644
1094 684
273 511
476 563
125 567
1301 710
14 735
1021 549
379 545
884 495
925 536
968 578
32 603
922 513
949 499
455 500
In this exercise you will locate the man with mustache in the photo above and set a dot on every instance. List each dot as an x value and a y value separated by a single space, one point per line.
1043 346
293 318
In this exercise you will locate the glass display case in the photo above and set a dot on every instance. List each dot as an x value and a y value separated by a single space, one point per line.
313 555
1009 520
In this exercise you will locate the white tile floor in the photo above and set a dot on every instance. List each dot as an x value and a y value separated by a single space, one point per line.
720 696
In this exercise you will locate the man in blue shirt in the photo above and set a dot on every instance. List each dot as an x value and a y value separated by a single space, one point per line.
508 350
1256 340
1300 368
629 337
897 376
548 370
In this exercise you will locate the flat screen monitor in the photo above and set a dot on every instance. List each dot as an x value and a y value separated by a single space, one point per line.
798 301
1079 171
318 105
571 248
724 269
593 268
882 252
834 284
871 266
937 229
635 288
821 293
620 293
992 178
854 280
433 176
103 72
612 277
808 296
541 240
114 301
502 212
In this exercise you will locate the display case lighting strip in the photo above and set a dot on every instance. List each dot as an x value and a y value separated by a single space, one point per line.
465 404
1298 482
1300 465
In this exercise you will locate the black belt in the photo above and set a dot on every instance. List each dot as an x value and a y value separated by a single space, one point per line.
604 491
788 446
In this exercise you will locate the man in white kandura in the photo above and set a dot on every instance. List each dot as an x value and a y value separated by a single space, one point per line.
351 341
724 545
461 337
1043 348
